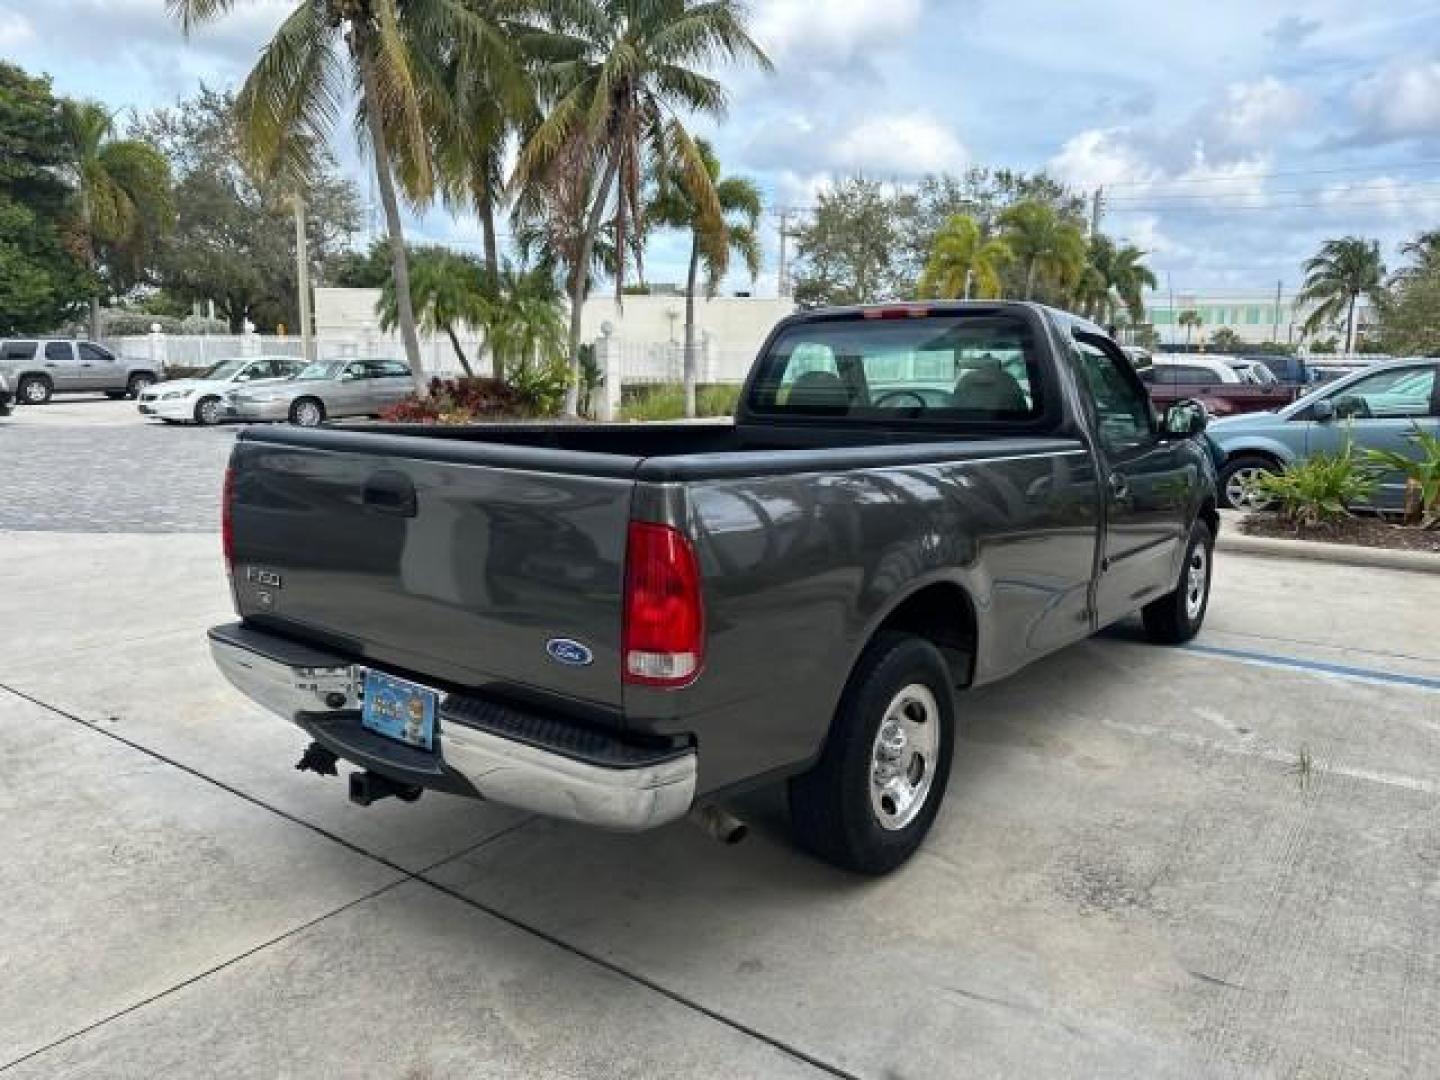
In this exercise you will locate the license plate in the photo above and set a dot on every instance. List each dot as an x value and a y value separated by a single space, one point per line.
399 710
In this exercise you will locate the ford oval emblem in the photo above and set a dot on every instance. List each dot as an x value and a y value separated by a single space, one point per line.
568 651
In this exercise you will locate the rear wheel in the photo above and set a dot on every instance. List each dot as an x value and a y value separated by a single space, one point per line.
1237 477
1177 617
867 804
35 390
207 411
307 412
138 384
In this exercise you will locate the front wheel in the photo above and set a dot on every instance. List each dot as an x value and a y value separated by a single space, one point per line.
1237 482
307 412
1177 617
34 390
207 411
867 804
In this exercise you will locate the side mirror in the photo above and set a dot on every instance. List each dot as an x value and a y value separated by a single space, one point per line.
1323 410
1185 419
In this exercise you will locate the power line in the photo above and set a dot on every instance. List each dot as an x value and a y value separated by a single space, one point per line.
1375 187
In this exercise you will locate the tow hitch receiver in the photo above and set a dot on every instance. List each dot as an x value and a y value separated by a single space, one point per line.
369 787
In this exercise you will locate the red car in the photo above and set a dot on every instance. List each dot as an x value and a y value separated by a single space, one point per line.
1224 385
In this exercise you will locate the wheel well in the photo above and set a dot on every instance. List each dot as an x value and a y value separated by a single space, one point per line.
1211 516
944 614
140 371
307 397
1263 455
40 375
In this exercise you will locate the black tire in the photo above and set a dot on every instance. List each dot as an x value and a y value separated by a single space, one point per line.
1177 616
300 414
1236 468
138 383
116 395
34 390
833 811
208 411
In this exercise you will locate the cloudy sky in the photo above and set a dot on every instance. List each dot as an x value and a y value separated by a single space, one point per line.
1230 136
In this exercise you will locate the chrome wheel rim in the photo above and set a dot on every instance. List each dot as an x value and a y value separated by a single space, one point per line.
903 757
1197 580
34 392
210 412
307 414
1238 489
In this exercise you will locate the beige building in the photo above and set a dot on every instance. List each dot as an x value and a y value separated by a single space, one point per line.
1255 316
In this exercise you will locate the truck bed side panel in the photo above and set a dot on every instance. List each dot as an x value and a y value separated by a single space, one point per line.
799 570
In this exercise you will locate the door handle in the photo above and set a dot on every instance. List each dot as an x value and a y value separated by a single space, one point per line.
1119 486
391 493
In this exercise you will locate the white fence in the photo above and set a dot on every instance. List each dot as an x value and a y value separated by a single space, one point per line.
629 362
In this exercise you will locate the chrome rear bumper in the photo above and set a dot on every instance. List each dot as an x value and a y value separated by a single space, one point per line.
559 769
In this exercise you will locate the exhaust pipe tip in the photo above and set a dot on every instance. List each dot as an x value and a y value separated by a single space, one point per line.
719 824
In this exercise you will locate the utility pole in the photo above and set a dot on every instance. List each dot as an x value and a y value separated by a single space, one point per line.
1097 207
1275 326
302 276
781 284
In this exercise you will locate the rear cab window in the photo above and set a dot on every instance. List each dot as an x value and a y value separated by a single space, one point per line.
905 364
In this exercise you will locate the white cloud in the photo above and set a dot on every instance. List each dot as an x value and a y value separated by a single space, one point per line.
15 29
1101 156
1260 113
835 30
1409 201
1401 101
909 144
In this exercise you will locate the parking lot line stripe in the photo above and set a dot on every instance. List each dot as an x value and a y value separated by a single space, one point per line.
1319 667
612 966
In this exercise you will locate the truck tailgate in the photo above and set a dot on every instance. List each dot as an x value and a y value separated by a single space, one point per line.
474 565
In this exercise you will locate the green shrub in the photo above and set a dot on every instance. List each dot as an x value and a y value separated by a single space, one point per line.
1320 489
1422 477
667 401
540 387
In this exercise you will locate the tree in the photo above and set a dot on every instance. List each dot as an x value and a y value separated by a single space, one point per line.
233 243
122 187
1336 277
448 288
1409 325
1050 248
964 262
615 74
1424 253
393 52
1114 277
1226 340
1190 319
846 253
524 320
41 279
713 238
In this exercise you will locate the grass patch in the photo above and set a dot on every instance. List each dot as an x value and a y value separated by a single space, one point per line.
667 401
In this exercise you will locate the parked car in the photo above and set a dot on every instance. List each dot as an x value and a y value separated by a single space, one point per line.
621 625
1290 370
202 399
38 368
1215 382
1379 407
325 389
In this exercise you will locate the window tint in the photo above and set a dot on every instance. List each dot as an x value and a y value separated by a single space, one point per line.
94 353
981 367
19 350
1399 393
392 369
59 350
1121 408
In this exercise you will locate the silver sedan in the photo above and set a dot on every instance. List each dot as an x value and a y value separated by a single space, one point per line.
325 389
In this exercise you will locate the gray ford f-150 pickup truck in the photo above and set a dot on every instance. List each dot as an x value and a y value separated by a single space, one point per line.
622 625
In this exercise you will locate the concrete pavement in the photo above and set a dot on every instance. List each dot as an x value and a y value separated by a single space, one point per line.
1209 861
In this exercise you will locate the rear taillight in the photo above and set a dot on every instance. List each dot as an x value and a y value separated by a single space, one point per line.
227 520
664 634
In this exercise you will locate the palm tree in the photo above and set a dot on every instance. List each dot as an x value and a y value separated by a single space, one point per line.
1114 275
447 288
615 74
963 262
1424 250
395 53
1190 319
1336 277
713 239
525 320
123 186
1044 243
